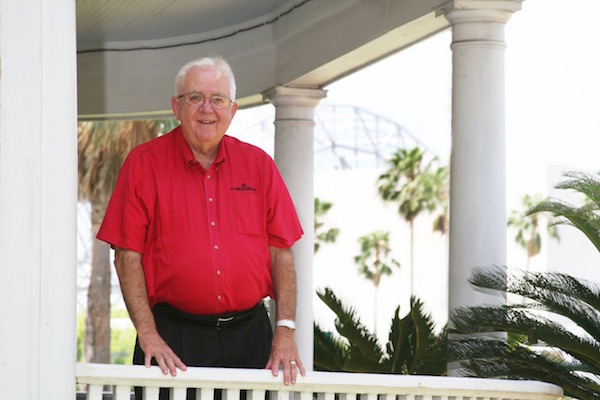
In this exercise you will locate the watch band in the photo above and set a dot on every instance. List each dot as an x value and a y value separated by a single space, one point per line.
288 323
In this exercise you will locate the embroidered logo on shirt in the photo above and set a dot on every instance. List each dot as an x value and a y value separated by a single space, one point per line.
244 188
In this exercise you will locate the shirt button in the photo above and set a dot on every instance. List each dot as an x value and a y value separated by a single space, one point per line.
216 247
210 199
207 176
219 297
218 272
212 223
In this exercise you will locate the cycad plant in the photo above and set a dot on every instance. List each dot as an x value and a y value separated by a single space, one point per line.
584 217
554 334
413 347
540 347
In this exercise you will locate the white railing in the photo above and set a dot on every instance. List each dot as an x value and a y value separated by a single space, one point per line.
325 385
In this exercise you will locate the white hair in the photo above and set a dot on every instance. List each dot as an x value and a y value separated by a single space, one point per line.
221 66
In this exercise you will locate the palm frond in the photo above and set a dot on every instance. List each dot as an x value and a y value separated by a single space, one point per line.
102 148
535 328
584 183
494 358
573 298
413 348
364 351
329 353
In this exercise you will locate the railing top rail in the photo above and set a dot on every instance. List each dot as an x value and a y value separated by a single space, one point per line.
314 381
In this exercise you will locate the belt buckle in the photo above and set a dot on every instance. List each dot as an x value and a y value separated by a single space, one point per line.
221 320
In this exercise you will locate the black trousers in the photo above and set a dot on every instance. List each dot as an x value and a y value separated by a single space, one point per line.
239 340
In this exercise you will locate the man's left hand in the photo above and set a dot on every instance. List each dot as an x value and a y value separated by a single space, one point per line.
284 353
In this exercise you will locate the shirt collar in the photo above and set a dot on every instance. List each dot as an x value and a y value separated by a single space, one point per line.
187 153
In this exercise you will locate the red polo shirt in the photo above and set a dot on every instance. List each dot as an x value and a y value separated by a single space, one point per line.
204 235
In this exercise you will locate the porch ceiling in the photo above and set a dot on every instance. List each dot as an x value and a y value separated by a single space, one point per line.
128 51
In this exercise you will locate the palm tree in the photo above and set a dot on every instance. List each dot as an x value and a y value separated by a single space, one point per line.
440 187
541 345
527 226
413 346
414 186
328 236
373 260
102 148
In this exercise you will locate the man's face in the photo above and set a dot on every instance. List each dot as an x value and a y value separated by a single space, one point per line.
203 125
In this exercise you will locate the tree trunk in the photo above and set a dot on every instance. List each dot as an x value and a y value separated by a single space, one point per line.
97 323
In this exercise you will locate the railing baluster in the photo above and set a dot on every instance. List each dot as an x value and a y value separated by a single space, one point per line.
305 395
282 395
205 393
94 392
122 392
256 394
231 394
178 393
150 393
368 396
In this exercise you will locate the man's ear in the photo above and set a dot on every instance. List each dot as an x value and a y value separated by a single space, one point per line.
175 107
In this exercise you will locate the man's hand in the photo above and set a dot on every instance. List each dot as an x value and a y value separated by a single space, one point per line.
283 348
133 285
155 347
284 353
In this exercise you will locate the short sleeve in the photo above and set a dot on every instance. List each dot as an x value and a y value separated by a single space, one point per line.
283 225
127 217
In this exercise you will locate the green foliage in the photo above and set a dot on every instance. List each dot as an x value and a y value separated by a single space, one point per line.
122 340
80 330
373 258
413 347
416 186
539 346
328 236
409 182
585 217
527 227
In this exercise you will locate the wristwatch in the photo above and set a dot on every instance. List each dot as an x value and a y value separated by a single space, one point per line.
288 323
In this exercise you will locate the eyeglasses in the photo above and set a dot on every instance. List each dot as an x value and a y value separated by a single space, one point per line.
197 99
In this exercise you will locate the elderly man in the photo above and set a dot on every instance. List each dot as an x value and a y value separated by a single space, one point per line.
202 226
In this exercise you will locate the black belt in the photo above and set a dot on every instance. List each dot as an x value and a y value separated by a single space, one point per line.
219 321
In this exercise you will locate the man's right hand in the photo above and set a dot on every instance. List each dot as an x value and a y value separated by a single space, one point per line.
129 268
155 347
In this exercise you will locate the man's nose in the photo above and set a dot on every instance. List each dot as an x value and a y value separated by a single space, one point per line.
206 106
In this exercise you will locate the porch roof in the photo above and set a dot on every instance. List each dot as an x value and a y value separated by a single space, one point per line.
129 51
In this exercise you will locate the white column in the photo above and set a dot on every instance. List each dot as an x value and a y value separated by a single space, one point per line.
477 183
38 195
294 136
